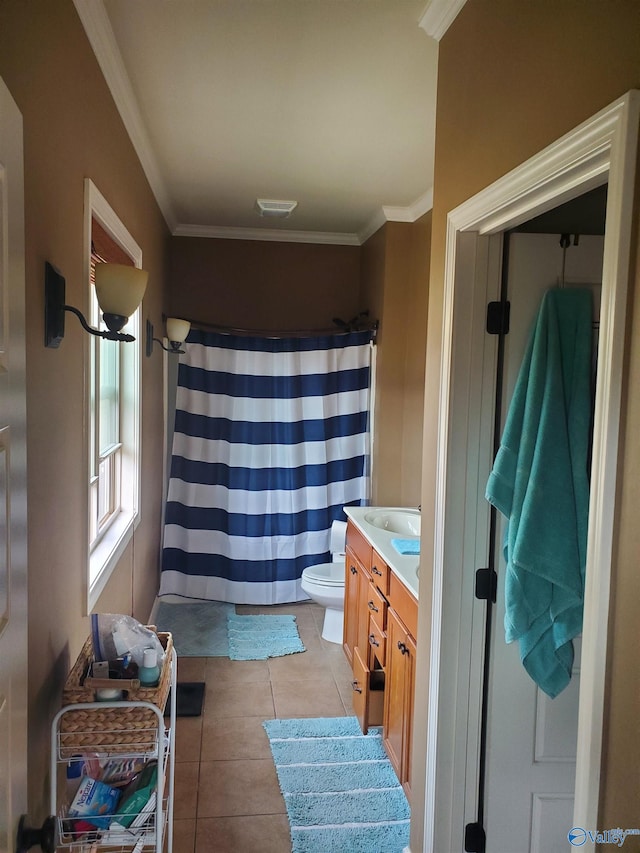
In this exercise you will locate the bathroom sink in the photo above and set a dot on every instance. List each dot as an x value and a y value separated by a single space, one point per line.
404 522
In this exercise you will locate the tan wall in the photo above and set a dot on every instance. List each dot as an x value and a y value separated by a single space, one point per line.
260 285
414 331
72 131
252 284
512 78
395 283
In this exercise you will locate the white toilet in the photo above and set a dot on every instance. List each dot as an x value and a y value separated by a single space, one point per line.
324 584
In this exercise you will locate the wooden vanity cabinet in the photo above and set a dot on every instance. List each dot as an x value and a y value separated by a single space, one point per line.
380 627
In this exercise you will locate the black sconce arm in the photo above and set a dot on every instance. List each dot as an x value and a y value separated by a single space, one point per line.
108 334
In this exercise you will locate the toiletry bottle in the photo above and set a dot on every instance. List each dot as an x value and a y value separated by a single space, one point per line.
149 672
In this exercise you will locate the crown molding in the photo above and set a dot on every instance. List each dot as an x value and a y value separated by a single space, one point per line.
97 26
414 211
374 224
389 213
386 214
439 15
266 234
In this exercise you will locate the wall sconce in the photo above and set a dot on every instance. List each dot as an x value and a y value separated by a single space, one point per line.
119 290
177 331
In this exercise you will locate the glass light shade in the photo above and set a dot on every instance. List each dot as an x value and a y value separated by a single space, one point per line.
177 330
120 288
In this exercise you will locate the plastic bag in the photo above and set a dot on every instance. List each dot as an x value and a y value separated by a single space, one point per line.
114 635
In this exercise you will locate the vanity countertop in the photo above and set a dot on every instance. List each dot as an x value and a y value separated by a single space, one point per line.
403 566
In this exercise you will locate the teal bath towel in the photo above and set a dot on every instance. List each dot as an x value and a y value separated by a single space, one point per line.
539 482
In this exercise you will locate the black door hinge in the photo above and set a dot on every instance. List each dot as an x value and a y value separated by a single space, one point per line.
486 584
475 839
498 317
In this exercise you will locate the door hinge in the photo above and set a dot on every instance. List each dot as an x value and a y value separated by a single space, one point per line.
498 317
486 584
475 839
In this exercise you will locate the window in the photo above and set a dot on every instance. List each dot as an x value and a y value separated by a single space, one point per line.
113 415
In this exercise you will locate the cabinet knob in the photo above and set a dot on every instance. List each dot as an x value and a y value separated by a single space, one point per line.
403 648
372 640
353 570
373 607
356 687
376 571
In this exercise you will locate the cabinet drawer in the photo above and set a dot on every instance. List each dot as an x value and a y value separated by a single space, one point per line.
377 642
368 693
404 604
379 572
377 606
360 546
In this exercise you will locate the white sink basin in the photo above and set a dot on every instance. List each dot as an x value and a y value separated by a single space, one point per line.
404 522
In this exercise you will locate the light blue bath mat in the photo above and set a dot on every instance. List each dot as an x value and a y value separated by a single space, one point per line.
199 628
339 788
261 637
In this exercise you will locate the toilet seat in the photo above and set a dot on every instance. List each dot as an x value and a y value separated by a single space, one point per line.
325 574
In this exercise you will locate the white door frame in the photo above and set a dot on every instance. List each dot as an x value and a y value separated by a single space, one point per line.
601 150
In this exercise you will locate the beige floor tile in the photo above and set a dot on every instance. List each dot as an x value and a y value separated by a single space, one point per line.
318 616
225 738
339 665
224 669
264 833
188 738
310 638
184 836
346 695
243 787
186 790
309 664
191 669
230 699
305 616
309 698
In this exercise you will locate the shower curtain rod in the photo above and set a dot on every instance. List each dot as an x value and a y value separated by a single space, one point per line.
279 333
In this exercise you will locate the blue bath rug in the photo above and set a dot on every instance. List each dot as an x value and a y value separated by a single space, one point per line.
199 628
340 790
261 637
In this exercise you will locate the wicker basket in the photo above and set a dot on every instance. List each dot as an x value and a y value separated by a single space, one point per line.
109 729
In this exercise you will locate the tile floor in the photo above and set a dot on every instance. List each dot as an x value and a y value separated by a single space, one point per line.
227 797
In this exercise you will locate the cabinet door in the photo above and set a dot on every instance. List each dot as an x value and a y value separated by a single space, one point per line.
368 693
398 716
351 605
395 691
410 670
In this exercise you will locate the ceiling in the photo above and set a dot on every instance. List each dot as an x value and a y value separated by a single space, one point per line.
330 103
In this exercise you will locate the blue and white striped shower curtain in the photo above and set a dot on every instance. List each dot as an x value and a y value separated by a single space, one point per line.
271 441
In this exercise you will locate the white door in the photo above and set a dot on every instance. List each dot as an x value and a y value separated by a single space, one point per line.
13 478
531 744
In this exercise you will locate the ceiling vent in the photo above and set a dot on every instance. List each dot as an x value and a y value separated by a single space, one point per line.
277 209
